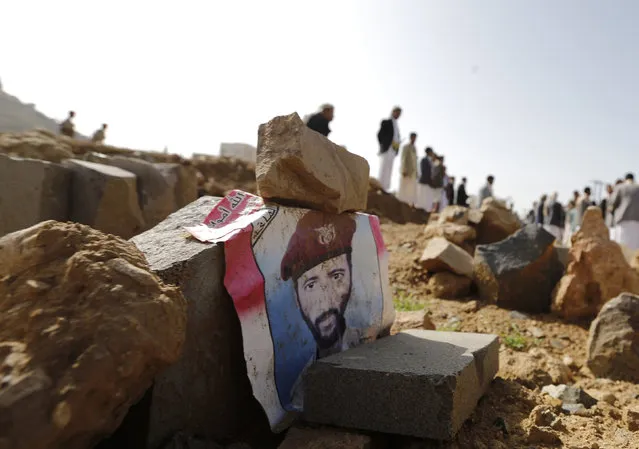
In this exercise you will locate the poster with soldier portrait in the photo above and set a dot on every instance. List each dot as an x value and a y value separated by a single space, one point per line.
305 284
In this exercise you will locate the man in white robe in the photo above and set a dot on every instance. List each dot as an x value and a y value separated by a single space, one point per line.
408 181
389 139
625 209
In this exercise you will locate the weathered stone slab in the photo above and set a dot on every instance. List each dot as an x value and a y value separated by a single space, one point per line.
613 342
32 191
155 194
417 383
85 328
105 198
442 255
297 166
324 438
183 178
519 272
207 392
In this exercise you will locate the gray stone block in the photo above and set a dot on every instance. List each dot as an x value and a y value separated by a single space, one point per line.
155 195
207 392
417 383
32 191
104 198
183 178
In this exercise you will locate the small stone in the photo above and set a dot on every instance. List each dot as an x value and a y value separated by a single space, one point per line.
574 409
515 315
538 435
631 418
557 344
417 319
38 285
568 361
62 414
536 332
609 398
471 306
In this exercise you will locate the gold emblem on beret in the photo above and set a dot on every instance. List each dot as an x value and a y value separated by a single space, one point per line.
326 234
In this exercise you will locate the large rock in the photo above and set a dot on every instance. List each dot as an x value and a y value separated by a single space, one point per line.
105 198
497 222
85 328
519 272
300 167
417 383
156 196
183 178
324 438
442 255
461 235
207 392
613 343
446 285
597 271
32 191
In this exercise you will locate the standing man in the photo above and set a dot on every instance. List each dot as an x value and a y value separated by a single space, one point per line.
319 122
425 194
408 181
99 135
462 196
388 138
450 191
625 208
437 182
67 128
486 191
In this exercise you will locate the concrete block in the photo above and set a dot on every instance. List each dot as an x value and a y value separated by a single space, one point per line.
32 191
104 198
417 383
155 195
207 392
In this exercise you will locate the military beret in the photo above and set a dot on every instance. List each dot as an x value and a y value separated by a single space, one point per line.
318 237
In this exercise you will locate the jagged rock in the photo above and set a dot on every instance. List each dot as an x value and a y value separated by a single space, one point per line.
324 438
446 285
596 273
519 272
417 319
156 196
569 394
454 214
442 255
32 191
105 198
497 222
537 368
613 342
35 145
299 167
461 235
207 391
85 329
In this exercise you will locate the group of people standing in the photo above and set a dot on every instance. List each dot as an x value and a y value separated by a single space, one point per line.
620 210
67 128
424 183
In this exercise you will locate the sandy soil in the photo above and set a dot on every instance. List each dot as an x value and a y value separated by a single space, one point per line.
536 350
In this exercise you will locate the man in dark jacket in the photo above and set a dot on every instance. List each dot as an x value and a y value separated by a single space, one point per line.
462 196
388 138
319 122
424 190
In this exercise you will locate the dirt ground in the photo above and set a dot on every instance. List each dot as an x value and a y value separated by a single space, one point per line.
536 350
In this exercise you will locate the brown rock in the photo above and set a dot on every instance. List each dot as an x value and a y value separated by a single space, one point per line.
596 273
454 214
497 222
417 319
298 166
324 438
542 435
448 285
631 418
85 329
442 255
613 342
536 368
461 235
35 145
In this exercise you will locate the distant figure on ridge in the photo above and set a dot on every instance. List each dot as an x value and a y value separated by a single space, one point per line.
388 138
624 204
319 122
462 196
67 128
408 182
425 193
98 136
486 191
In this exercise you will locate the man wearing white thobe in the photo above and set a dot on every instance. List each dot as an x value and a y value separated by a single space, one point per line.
425 193
408 181
624 204
389 139
486 191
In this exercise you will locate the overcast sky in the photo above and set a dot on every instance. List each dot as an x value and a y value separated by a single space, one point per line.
542 94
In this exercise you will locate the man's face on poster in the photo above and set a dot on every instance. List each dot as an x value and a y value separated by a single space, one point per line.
322 294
